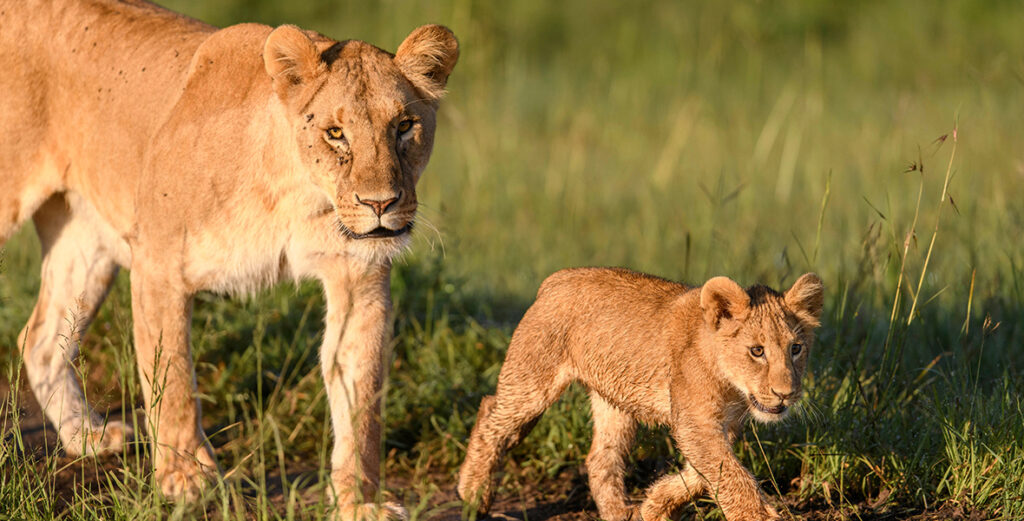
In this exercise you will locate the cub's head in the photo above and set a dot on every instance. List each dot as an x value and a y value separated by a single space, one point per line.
363 122
762 339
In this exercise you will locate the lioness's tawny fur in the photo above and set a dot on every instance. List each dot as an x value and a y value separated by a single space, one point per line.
698 359
210 159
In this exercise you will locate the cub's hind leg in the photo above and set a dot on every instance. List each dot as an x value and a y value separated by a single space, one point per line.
614 432
531 379
671 492
76 276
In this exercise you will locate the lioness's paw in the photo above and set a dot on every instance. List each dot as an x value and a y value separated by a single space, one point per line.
184 480
371 512
394 511
95 441
182 485
111 438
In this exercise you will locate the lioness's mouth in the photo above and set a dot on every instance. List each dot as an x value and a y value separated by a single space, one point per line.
778 409
379 232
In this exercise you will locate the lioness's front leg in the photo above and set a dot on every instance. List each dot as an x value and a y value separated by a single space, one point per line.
162 310
353 358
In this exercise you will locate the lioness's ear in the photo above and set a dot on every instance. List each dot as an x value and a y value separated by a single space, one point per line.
722 299
427 57
291 60
806 298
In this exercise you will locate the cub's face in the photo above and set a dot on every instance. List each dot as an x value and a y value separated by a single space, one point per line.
363 122
763 339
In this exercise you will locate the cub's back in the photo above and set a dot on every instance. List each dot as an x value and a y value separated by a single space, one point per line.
614 291
614 327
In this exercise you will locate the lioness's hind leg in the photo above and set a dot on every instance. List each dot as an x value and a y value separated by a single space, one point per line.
8 218
75 278
614 432
524 392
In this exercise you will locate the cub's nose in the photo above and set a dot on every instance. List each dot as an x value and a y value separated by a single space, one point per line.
783 394
379 204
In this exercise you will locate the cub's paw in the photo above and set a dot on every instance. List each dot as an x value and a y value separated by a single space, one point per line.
629 513
98 440
648 513
765 513
475 492
388 511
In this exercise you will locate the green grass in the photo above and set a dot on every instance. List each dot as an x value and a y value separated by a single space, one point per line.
687 139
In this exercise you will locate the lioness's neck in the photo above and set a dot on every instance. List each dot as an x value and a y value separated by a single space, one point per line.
279 164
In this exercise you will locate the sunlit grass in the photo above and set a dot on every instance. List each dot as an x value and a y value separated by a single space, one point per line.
687 139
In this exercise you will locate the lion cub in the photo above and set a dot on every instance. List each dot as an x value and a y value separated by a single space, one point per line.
697 359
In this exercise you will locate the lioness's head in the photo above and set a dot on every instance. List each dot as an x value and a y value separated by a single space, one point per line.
762 339
363 121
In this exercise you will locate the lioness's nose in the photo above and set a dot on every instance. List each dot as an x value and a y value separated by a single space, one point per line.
783 394
379 205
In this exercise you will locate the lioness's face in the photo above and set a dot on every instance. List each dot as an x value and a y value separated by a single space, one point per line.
364 122
763 339
365 138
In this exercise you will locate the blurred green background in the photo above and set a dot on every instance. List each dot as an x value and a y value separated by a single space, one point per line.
606 133
757 140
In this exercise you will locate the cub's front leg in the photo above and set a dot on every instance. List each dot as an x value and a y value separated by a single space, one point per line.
711 467
353 359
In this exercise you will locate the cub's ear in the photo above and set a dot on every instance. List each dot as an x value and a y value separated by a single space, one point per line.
722 299
427 57
291 60
806 298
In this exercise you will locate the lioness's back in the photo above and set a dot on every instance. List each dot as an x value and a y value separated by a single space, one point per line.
85 85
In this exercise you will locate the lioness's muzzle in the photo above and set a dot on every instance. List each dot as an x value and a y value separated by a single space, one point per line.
379 232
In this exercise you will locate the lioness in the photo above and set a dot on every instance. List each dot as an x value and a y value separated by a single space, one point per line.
697 359
210 159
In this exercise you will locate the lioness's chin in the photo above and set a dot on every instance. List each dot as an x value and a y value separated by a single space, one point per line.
765 414
377 233
380 249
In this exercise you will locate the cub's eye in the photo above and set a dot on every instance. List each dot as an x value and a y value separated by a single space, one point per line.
404 126
757 351
335 133
796 349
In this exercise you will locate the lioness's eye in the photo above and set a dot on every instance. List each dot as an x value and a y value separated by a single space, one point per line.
404 126
335 133
796 349
757 351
